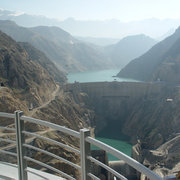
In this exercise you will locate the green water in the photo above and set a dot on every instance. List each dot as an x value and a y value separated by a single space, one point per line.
122 146
97 76
109 135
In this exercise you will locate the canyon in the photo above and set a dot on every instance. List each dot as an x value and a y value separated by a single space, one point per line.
146 112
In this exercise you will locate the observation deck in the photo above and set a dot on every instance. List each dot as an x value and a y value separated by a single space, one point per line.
21 171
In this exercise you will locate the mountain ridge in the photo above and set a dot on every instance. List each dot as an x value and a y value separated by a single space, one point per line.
142 68
65 51
107 28
129 48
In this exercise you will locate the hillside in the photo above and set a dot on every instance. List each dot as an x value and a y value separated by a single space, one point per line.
98 41
146 67
41 58
28 82
128 48
22 74
59 46
169 69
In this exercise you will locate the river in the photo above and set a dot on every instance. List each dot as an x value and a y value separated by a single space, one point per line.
108 137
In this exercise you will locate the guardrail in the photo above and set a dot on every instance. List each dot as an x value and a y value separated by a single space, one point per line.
85 151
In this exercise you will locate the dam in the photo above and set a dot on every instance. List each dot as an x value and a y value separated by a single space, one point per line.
116 104
112 100
114 90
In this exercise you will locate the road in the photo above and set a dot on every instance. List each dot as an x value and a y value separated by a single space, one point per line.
54 94
31 113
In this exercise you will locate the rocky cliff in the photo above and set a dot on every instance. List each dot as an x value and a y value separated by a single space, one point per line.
22 74
27 80
161 62
145 112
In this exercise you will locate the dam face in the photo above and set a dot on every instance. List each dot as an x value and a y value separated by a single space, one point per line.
113 101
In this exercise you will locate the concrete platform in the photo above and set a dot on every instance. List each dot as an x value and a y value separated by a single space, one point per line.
10 172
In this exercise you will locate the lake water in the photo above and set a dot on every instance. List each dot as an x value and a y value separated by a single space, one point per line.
111 138
97 76
122 146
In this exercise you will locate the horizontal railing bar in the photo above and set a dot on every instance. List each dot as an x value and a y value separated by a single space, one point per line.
107 168
93 176
9 153
49 167
8 140
52 125
7 115
130 161
52 141
6 128
52 155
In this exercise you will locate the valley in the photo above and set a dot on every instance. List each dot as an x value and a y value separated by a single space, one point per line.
127 93
139 110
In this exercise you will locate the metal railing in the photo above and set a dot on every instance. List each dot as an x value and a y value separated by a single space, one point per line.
85 150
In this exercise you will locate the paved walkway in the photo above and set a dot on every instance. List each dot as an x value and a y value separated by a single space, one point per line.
10 172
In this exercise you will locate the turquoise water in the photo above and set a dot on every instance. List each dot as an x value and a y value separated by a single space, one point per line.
109 135
122 146
97 76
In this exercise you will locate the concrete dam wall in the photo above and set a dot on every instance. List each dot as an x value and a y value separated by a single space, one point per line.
114 89
113 101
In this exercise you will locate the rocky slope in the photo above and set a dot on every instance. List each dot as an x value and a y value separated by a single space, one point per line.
145 112
39 57
163 160
161 59
59 46
19 72
26 81
128 48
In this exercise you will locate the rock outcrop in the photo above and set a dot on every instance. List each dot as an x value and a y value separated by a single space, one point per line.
163 160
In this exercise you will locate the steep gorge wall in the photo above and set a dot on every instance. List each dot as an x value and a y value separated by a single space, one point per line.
146 112
139 110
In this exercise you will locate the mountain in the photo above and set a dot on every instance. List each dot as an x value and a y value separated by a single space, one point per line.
22 73
128 48
77 55
96 28
41 58
164 36
161 62
28 80
59 46
98 41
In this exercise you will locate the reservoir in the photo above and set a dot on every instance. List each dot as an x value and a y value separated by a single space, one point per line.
108 136
97 76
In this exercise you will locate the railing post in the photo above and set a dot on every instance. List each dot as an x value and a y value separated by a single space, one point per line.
20 140
85 151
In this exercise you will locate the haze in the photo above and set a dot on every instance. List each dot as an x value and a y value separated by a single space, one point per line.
124 10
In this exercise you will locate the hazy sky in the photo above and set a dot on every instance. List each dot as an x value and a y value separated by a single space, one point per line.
124 10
